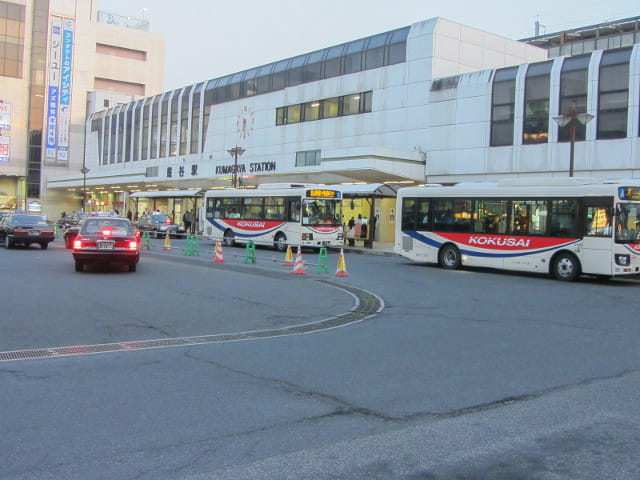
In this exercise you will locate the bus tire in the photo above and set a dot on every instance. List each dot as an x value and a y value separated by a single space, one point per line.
229 238
280 242
449 257
566 267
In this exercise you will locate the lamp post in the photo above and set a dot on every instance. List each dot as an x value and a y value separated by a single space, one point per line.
235 153
84 171
572 120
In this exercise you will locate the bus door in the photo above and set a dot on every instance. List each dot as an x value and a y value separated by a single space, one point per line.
597 243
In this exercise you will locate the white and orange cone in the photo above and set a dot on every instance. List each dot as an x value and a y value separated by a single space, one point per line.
167 242
298 267
218 257
288 258
342 267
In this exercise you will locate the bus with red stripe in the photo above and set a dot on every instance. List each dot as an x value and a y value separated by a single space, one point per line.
564 227
275 215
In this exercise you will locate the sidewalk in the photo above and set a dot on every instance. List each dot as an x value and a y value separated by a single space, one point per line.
379 248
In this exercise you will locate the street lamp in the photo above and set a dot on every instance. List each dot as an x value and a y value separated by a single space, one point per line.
84 171
572 120
235 153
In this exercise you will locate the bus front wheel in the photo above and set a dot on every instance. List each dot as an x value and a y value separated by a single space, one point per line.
566 267
450 257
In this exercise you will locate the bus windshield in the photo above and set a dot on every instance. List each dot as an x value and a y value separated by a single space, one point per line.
318 211
628 230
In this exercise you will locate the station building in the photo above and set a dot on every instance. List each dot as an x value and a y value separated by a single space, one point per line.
60 59
433 102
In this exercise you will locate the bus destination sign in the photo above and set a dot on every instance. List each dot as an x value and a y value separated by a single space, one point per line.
319 193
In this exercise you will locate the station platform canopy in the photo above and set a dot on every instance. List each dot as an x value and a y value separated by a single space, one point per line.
168 194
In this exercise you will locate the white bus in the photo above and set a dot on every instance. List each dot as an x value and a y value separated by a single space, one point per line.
275 215
562 227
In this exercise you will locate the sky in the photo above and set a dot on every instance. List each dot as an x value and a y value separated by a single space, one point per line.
210 38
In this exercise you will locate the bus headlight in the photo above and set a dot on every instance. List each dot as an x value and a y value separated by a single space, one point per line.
623 260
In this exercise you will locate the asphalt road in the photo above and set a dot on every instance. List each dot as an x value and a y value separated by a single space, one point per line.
465 374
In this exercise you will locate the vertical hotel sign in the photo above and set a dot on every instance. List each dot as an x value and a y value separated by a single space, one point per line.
59 93
54 88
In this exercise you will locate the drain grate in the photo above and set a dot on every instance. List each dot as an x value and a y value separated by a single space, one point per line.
367 305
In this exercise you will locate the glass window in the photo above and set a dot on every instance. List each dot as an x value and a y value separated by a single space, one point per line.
563 219
275 208
231 207
536 103
250 86
409 213
366 102
173 127
424 219
280 115
279 75
253 208
330 107
137 130
598 220
374 54
333 62
263 79
311 111
184 121
351 104
195 119
164 122
121 137
529 217
313 67
145 129
502 106
106 143
353 57
397 48
154 126
573 94
308 158
129 133
293 114
452 215
491 216
613 94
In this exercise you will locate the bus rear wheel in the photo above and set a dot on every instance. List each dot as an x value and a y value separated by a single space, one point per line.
280 242
450 257
566 267
229 239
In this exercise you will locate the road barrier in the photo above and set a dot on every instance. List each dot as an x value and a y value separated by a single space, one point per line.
250 252
323 261
191 246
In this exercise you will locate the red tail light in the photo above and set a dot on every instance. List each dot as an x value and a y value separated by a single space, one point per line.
133 245
106 232
168 221
137 233
19 232
77 244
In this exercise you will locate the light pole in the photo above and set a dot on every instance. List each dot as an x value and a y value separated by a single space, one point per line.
572 120
84 171
235 153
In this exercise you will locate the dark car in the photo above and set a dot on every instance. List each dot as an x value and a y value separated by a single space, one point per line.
70 220
158 225
106 240
23 229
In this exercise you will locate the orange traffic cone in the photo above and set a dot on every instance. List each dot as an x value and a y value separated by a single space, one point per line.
298 268
342 268
288 258
167 243
218 258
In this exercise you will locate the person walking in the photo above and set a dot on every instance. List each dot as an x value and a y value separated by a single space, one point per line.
187 219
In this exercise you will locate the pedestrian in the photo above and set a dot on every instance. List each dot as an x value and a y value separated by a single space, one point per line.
350 232
129 215
357 227
186 219
194 221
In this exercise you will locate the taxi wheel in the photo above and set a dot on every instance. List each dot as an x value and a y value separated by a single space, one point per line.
132 267
79 266
44 245
8 243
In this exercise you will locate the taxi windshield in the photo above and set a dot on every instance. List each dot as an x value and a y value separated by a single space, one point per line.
628 224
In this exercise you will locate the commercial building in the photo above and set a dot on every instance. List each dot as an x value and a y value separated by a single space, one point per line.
59 58
433 102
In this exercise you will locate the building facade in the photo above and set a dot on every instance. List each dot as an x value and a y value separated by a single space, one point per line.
52 53
433 102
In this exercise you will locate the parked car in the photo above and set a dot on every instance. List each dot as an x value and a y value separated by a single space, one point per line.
20 228
70 220
158 225
106 240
